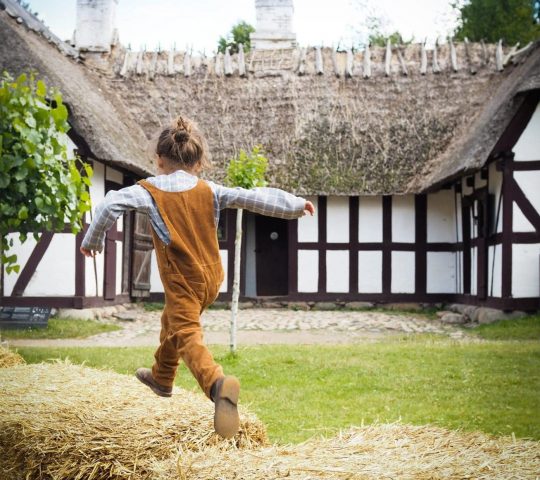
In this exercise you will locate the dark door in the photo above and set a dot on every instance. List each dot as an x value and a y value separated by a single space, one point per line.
272 255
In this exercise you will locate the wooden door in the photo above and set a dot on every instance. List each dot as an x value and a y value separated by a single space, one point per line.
141 255
272 258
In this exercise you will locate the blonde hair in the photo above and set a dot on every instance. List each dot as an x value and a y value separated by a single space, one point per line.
182 143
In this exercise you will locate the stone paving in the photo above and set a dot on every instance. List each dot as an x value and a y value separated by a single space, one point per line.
284 320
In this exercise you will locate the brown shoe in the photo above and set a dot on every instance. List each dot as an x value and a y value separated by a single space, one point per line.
145 376
226 419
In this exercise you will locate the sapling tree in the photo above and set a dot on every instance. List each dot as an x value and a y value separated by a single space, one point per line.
246 170
41 187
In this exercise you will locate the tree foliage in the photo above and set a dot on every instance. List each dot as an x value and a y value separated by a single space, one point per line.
41 188
238 34
247 170
490 20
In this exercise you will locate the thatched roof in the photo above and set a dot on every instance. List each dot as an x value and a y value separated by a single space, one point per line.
98 116
331 122
376 121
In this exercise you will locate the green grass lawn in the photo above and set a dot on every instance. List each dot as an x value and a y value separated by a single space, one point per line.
526 328
61 328
301 391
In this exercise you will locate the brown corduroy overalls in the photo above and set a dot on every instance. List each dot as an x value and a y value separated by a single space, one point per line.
191 271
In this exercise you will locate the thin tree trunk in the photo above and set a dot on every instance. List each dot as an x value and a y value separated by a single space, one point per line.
236 282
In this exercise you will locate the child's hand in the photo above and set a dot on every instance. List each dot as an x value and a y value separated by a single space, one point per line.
309 208
88 253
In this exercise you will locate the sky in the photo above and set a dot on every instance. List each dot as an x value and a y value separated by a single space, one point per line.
199 24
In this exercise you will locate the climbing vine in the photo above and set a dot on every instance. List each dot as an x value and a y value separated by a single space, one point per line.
41 187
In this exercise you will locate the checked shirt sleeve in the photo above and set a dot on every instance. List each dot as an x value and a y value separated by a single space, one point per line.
115 203
272 202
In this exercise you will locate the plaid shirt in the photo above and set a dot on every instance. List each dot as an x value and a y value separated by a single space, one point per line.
272 202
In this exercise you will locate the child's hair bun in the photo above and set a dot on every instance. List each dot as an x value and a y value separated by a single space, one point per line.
181 131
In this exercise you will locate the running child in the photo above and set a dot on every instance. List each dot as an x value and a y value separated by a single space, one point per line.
184 214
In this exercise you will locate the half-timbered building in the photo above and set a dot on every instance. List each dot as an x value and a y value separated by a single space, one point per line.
424 165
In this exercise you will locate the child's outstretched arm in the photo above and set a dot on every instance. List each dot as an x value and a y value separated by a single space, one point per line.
272 202
115 203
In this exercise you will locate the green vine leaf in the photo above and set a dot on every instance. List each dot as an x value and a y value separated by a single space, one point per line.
41 188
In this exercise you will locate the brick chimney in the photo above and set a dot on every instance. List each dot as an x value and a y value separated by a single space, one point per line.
96 25
274 25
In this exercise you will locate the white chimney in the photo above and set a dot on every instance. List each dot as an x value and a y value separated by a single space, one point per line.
274 25
96 25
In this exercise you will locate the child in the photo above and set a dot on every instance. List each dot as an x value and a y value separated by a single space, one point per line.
184 214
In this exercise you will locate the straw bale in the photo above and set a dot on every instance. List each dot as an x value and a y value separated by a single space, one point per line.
372 452
67 422
9 358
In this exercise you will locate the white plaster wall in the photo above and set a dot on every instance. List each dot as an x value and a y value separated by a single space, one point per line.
114 175
308 270
474 265
23 252
403 219
441 219
370 223
97 188
495 188
55 274
528 145
370 272
337 271
308 229
119 257
225 262
403 272
337 219
89 275
251 262
441 272
459 218
495 270
525 270
155 280
460 272
529 182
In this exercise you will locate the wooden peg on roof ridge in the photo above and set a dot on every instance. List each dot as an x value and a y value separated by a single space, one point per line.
140 63
187 64
241 61
436 67
126 64
401 59
153 66
388 57
423 59
335 63
227 63
468 56
499 56
510 54
453 55
350 63
302 62
367 62
319 69
218 69
485 56
170 62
